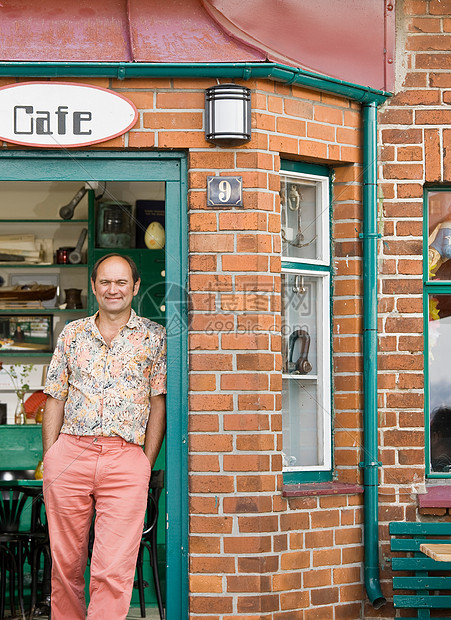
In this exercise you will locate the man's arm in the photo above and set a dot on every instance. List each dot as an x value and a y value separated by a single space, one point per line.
52 421
156 427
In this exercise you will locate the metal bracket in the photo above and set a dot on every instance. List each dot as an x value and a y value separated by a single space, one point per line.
247 72
370 236
363 465
293 79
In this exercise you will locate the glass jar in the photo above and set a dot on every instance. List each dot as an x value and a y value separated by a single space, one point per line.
20 416
114 224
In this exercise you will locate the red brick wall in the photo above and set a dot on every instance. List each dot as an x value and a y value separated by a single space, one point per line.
254 554
414 137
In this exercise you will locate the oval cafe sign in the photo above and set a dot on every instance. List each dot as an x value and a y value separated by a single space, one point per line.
62 115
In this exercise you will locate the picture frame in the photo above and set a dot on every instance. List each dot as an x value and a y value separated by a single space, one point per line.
52 279
30 332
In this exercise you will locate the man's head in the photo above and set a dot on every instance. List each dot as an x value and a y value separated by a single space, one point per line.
441 439
133 267
441 422
115 281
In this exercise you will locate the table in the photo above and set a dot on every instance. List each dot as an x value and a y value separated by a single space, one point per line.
441 552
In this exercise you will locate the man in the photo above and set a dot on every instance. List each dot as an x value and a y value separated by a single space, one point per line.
440 432
106 385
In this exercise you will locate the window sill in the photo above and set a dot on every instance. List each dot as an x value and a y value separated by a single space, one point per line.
436 496
320 488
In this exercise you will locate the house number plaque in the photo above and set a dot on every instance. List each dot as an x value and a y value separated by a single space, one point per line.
225 191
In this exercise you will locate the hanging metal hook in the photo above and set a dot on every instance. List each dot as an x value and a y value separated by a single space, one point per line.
298 286
294 198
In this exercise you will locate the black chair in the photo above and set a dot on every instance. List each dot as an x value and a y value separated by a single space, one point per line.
22 534
38 545
149 542
12 504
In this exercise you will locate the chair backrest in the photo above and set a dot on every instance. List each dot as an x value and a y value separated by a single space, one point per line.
18 509
156 486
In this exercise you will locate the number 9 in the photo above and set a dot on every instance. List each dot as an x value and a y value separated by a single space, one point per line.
225 191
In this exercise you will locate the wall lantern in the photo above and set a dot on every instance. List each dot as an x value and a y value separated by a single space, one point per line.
228 114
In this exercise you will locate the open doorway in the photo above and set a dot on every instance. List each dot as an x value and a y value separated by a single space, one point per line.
153 183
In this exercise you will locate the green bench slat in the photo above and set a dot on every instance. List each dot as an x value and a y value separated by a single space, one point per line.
413 544
422 601
415 529
422 614
419 564
422 583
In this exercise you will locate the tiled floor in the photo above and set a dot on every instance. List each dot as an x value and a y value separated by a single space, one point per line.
151 614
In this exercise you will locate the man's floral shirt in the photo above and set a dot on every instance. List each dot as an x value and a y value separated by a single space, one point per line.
107 389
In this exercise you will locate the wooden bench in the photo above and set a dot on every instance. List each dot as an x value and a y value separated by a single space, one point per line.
420 571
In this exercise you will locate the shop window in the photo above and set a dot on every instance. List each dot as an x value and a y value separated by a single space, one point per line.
437 301
306 322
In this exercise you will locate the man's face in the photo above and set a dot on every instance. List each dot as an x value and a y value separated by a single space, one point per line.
113 288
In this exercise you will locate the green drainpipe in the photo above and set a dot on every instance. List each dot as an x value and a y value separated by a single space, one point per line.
370 462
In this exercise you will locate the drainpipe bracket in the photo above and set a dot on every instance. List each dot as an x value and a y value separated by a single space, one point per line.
363 465
293 79
247 72
370 236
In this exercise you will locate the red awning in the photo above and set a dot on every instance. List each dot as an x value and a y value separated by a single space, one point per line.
339 38
347 39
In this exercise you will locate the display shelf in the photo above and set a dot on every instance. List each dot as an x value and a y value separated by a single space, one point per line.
300 377
6 265
47 221
3 426
31 311
132 252
42 354
30 391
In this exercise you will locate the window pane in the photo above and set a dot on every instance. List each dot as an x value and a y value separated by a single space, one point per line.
439 235
302 218
440 382
302 302
305 359
302 424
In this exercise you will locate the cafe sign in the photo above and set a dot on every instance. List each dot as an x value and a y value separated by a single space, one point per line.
62 115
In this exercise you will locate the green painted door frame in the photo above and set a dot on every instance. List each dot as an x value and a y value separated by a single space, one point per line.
170 168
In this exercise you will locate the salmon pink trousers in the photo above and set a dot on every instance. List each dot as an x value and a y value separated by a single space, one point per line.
111 476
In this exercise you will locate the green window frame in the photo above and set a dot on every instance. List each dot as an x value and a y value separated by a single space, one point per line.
306 322
437 333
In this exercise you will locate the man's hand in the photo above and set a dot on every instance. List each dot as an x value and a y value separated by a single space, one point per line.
156 427
52 421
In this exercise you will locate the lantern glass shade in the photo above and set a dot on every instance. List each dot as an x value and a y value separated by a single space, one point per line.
228 115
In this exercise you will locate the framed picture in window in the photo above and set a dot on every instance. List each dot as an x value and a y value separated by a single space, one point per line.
20 332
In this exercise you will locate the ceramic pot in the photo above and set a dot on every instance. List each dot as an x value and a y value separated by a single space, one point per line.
73 298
